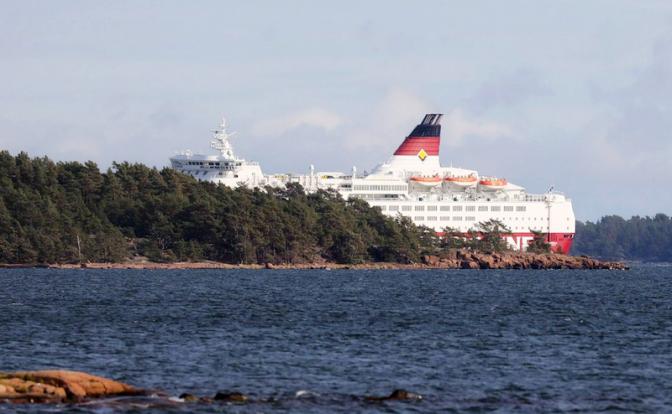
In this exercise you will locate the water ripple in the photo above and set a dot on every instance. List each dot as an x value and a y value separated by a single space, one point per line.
319 341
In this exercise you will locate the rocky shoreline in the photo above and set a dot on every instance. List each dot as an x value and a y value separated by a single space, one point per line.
451 259
464 259
73 387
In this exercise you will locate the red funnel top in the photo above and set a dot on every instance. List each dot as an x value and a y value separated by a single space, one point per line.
426 136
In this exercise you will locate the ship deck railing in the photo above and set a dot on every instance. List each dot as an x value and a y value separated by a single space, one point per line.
456 198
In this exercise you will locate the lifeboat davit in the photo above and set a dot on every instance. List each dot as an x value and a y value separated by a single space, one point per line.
462 181
492 183
426 181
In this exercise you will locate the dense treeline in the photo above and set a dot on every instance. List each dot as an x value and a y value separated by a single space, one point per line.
613 237
71 212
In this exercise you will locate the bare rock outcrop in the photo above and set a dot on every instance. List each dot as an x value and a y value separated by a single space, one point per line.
397 395
430 260
231 396
59 386
447 259
466 259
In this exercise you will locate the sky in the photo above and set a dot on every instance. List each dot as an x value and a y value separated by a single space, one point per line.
571 94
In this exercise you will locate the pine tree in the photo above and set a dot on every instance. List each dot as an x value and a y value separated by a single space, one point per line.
538 244
492 234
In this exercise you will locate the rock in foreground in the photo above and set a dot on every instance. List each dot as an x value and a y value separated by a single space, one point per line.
59 386
397 395
72 387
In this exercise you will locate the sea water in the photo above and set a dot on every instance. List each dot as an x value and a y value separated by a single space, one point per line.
319 341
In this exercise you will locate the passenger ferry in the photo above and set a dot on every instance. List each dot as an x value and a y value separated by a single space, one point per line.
412 183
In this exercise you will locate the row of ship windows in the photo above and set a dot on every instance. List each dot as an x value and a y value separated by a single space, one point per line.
454 208
381 188
195 173
444 218
466 218
212 163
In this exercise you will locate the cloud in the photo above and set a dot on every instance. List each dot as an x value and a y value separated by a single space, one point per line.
391 119
312 117
399 111
456 126
508 90
638 116
367 138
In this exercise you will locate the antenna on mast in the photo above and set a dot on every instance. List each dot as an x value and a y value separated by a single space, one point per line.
221 141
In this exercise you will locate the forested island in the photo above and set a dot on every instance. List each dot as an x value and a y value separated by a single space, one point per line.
73 213
646 239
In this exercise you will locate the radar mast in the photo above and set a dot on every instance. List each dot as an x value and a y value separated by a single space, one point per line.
221 141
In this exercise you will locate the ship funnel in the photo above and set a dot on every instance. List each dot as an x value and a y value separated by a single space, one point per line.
425 138
431 119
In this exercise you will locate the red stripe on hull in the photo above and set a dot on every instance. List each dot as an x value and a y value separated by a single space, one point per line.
560 242
413 145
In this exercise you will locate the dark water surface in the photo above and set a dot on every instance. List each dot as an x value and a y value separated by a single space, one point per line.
468 341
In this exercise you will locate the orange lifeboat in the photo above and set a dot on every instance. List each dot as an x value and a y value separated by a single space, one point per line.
462 180
426 181
492 183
